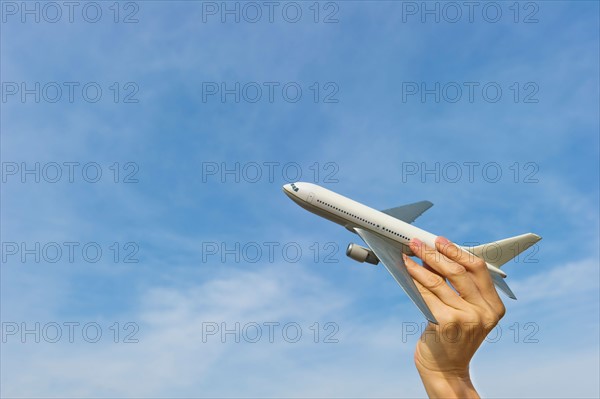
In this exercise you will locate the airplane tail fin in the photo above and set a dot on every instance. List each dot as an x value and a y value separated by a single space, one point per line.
497 253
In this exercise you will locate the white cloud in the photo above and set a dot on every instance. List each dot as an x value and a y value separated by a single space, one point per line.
172 299
372 358
172 359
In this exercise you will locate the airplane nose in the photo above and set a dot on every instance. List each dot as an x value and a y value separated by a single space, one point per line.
287 188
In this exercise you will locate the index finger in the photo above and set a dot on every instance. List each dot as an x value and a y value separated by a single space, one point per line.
475 265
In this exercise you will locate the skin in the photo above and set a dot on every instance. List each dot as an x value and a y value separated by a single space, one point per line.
466 314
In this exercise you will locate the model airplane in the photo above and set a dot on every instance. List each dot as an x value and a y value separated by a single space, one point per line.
387 233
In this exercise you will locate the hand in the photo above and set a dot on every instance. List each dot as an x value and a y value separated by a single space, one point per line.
466 314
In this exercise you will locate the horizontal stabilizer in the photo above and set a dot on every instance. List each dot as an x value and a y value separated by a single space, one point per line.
501 284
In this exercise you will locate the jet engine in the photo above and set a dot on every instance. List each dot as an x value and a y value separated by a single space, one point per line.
361 254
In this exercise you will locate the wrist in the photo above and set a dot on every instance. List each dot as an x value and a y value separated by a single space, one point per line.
447 384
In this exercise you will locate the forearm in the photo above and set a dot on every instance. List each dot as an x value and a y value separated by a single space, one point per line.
442 385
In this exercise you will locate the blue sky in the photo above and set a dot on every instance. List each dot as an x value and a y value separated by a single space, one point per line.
357 125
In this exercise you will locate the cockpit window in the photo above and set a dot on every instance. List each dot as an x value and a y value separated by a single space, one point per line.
294 187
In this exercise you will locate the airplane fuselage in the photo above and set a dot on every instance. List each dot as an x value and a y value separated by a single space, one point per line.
351 214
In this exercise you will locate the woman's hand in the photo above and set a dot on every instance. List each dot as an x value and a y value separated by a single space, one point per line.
466 314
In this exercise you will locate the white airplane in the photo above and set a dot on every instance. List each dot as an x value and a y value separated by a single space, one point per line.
387 233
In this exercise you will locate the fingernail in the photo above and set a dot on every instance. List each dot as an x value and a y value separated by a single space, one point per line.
409 265
416 242
443 240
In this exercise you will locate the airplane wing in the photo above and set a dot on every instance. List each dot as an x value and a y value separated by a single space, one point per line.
390 254
408 213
